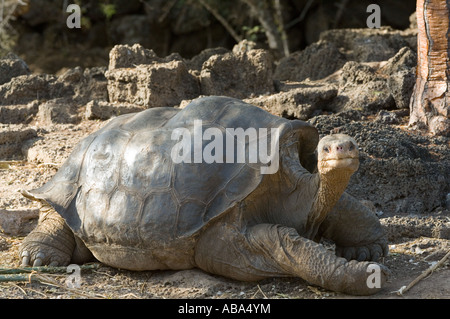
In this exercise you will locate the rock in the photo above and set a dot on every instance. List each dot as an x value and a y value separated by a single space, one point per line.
56 142
19 113
104 110
196 62
18 222
57 111
400 71
386 117
22 95
404 59
138 76
355 73
11 66
26 88
244 46
154 85
399 227
317 61
361 88
401 86
241 75
85 85
126 56
12 138
297 103
373 86
367 45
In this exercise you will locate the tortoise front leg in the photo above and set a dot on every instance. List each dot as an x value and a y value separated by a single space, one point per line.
268 250
356 230
52 242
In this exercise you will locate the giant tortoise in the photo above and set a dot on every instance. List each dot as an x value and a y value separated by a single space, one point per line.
140 195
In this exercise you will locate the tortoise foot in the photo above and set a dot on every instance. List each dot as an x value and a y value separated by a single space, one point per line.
51 243
37 254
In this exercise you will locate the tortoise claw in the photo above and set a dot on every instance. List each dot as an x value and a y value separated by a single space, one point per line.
25 259
38 260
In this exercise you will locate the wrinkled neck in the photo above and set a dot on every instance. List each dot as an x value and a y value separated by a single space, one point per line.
331 187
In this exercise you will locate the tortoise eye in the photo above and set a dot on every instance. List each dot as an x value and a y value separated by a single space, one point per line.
326 149
352 147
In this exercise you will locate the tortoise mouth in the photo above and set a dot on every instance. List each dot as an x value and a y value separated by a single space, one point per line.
338 159
349 163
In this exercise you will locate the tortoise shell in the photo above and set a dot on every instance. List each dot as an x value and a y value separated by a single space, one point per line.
121 186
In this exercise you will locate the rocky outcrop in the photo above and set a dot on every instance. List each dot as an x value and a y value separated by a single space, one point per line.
12 139
309 63
370 45
298 101
12 66
239 75
152 85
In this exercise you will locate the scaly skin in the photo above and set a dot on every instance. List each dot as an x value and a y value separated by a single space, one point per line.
52 242
364 240
268 250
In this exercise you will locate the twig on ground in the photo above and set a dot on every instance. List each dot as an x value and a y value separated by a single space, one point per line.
404 289
262 292
20 288
29 274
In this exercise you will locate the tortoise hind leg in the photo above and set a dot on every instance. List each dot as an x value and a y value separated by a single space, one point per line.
52 242
268 250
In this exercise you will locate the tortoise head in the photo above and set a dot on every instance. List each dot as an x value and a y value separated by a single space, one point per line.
337 153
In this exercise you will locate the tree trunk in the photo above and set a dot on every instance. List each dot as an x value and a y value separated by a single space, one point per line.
430 101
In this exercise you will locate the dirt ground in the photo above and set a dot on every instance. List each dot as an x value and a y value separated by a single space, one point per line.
406 261
408 258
